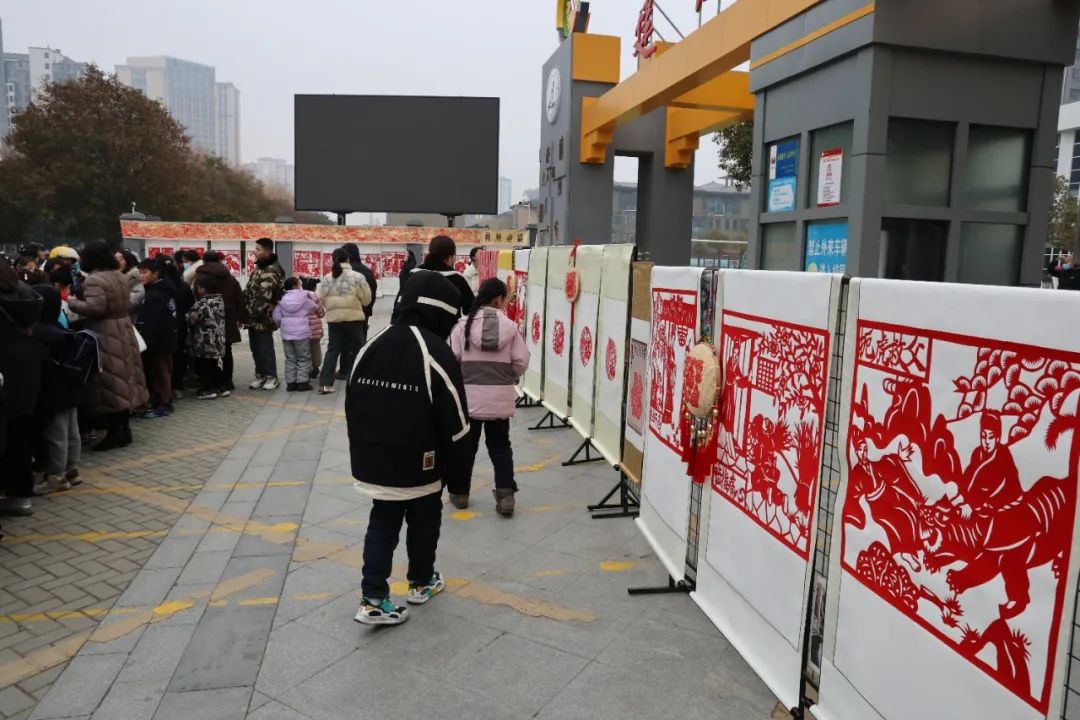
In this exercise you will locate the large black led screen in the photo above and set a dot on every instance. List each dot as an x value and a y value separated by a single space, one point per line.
386 153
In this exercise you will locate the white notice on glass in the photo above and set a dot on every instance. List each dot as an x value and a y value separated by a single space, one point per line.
829 177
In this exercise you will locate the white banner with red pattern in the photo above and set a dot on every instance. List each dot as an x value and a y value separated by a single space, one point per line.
559 331
774 336
665 495
954 563
533 383
586 312
610 391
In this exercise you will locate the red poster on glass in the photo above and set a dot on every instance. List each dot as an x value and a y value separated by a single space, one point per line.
231 259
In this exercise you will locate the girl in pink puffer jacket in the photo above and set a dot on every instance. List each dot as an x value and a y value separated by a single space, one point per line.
293 315
493 357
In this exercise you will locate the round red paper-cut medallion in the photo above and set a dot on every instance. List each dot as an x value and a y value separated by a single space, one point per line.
637 397
558 338
586 348
701 375
573 284
536 328
611 359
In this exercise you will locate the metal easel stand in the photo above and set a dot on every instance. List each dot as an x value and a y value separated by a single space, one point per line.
588 447
526 402
673 586
627 506
551 419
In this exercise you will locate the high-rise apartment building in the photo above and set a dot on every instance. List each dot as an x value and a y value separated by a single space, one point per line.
274 173
227 123
23 75
505 194
185 88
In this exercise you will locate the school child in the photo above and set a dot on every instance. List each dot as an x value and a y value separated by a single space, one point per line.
206 338
293 315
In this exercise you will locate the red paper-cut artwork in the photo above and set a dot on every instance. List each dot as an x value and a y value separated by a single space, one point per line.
231 260
771 411
327 263
585 350
307 263
674 323
250 262
611 359
536 328
516 308
959 505
154 251
558 338
635 416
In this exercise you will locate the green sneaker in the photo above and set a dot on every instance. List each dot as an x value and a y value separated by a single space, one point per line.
420 594
381 612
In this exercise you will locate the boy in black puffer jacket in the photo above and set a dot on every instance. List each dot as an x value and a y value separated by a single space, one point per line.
156 322
402 459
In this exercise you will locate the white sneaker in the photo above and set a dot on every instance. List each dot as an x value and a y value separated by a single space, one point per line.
381 612
257 383
420 594
50 484
271 384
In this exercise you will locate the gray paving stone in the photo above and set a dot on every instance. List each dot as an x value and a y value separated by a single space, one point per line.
157 654
385 690
13 700
302 450
149 587
601 692
81 688
274 710
225 651
515 672
282 501
293 654
294 470
130 701
225 704
269 587
257 701
204 567
173 552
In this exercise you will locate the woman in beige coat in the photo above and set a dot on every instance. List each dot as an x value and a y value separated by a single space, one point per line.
103 301
344 293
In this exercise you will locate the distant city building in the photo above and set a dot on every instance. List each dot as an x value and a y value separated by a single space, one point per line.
190 92
1067 152
23 75
274 173
502 221
1070 86
227 123
504 194
48 65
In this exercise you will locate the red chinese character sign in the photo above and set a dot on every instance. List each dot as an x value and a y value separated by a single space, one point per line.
957 515
774 340
644 46
676 312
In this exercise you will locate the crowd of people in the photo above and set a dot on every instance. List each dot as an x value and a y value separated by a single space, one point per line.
91 339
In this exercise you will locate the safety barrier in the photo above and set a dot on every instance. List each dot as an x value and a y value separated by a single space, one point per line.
887 526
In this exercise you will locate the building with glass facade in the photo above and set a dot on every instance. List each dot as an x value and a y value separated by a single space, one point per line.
190 93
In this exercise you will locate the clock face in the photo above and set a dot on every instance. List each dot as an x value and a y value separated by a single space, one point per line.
554 94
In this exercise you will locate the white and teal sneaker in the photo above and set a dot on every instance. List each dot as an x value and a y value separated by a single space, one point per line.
420 594
381 612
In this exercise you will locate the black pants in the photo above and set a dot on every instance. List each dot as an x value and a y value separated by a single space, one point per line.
227 368
17 463
359 340
179 368
346 339
424 516
210 375
497 438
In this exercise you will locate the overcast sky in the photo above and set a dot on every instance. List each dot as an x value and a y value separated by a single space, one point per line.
272 49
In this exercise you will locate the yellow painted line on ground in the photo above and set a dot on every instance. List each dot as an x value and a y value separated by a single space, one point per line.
258 602
549 573
130 619
616 566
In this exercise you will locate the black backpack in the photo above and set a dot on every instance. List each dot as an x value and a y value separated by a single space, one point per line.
83 359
